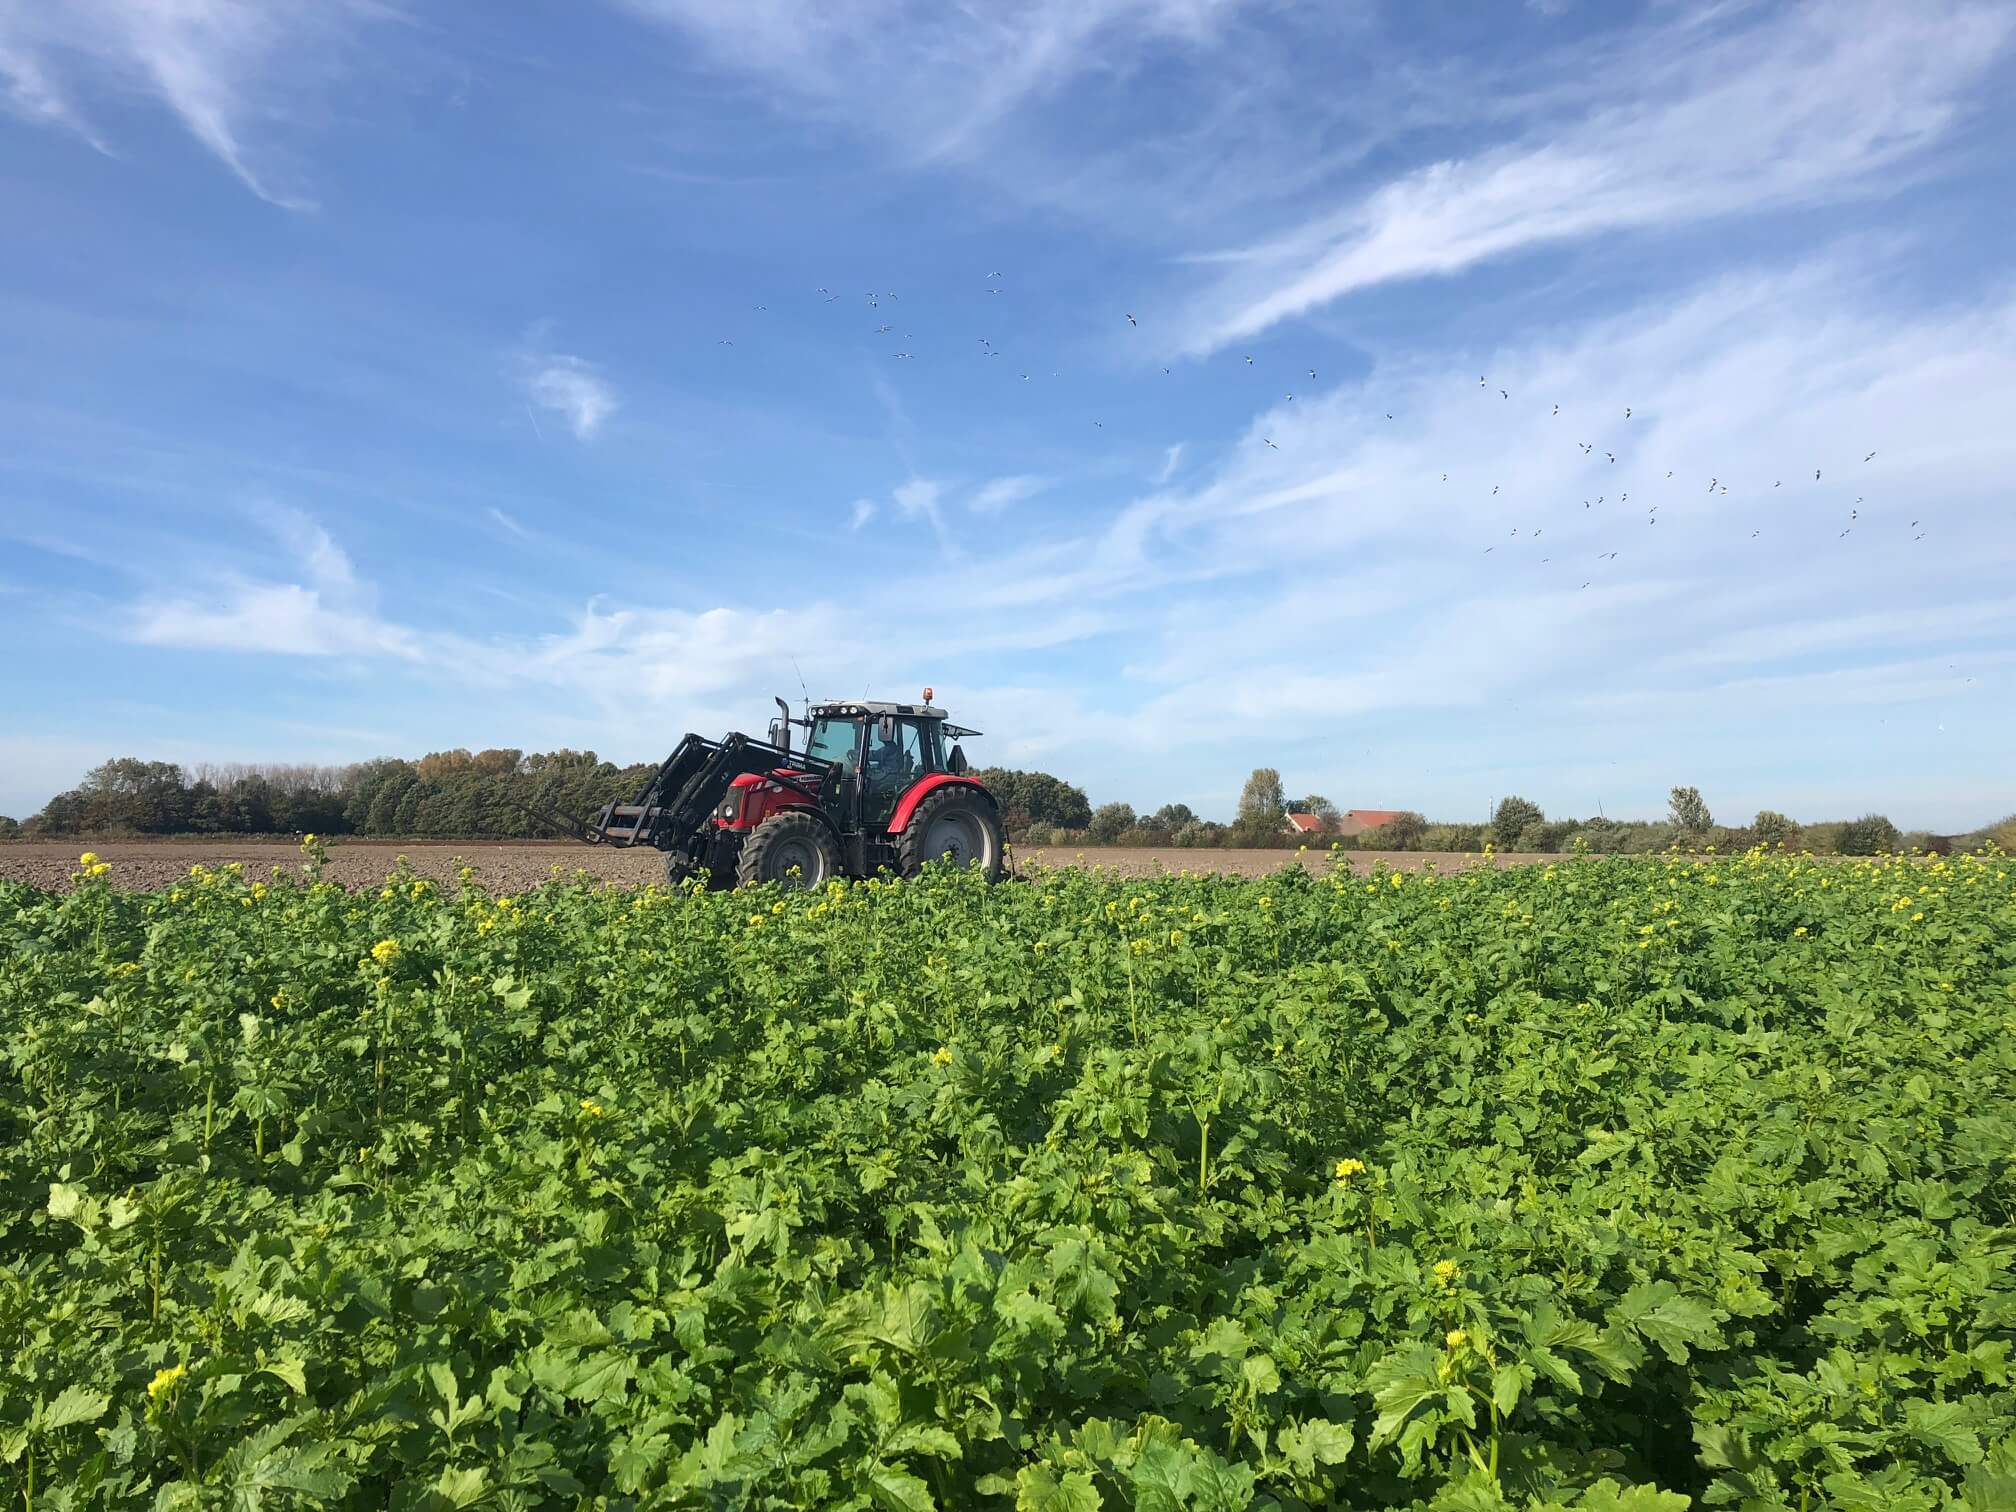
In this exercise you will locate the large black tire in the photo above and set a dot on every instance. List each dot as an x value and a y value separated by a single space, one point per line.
787 841
956 823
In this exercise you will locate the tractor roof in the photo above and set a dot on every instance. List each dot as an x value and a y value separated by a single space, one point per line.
877 710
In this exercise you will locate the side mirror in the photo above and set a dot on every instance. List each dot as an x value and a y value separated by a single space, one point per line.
956 762
885 728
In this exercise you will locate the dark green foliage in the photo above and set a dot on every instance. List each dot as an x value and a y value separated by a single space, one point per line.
1036 797
1510 818
1871 835
1109 822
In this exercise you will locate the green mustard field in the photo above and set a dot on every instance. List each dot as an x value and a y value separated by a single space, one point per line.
1622 1185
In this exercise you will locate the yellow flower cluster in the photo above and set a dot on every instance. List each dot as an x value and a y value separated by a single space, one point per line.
1446 1273
1456 1338
385 952
943 1056
591 1107
165 1380
1347 1168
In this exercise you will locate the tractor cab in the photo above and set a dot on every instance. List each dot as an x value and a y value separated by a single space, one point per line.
881 750
874 785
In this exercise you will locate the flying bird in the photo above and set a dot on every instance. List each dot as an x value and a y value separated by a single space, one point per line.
1249 362
1557 410
1503 395
1816 475
884 330
1312 372
1132 321
1627 412
1270 441
1870 458
1611 455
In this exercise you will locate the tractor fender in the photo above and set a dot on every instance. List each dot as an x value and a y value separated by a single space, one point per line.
797 808
923 788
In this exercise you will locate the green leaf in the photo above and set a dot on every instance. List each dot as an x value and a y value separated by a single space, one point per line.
1945 1426
1316 1442
1039 1489
462 1488
74 1404
1659 1312
1608 1496
899 1490
293 1372
1081 1282
1260 1375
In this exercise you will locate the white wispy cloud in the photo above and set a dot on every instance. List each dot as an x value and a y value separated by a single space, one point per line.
1809 103
998 493
1172 459
933 78
222 67
571 388
864 511
507 523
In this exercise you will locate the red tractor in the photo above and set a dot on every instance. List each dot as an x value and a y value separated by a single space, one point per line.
877 784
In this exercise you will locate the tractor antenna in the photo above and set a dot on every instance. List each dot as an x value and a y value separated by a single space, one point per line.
804 692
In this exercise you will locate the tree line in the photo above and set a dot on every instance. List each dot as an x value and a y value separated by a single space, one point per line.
506 794
495 794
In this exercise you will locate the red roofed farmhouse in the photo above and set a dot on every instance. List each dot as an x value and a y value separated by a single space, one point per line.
1358 821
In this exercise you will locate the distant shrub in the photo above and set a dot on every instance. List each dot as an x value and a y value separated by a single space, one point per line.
1870 835
1773 828
1453 837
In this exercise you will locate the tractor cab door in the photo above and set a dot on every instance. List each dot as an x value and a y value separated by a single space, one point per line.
834 744
899 752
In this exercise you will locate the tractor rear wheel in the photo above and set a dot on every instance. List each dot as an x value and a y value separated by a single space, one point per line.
953 823
792 850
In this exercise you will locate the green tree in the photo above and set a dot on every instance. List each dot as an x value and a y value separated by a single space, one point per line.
1171 816
1109 822
1773 828
1261 799
1402 832
1318 805
1870 835
10 829
1688 812
1510 818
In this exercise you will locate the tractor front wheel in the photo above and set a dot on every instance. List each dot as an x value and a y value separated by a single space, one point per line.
792 850
954 823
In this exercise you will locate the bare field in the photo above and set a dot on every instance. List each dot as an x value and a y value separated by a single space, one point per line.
510 866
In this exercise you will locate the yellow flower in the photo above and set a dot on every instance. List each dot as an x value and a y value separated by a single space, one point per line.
1456 1338
1800 930
1266 902
591 1107
88 859
1346 1169
385 952
165 1380
308 839
1917 918
943 1056
98 868
1446 1272
1175 937
776 908
1396 879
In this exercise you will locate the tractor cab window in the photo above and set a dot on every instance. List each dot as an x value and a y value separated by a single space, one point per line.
894 763
833 740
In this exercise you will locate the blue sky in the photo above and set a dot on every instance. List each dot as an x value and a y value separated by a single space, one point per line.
381 377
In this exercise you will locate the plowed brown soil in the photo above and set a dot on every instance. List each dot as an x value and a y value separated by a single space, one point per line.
510 867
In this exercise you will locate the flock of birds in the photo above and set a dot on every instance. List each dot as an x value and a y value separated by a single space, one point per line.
1717 486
